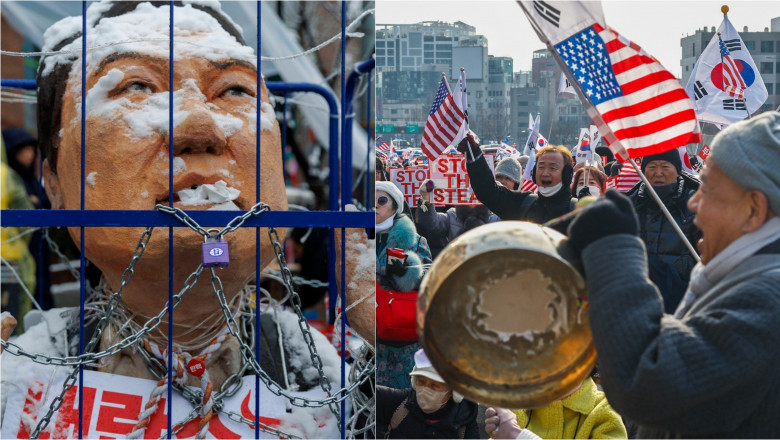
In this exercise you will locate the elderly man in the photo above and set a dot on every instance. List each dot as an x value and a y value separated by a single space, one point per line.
711 369
552 174
669 260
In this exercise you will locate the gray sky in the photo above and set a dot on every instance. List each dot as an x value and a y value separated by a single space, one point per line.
656 26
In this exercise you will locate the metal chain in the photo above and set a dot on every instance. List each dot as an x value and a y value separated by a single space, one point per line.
56 248
303 324
127 276
233 383
89 358
299 281
247 356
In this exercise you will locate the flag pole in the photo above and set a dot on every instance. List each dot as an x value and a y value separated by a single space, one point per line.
599 120
725 10
651 190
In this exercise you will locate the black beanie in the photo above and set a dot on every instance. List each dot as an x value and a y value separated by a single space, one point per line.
671 156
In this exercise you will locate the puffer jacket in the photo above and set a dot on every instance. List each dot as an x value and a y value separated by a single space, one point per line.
402 235
439 228
508 204
454 420
583 414
670 261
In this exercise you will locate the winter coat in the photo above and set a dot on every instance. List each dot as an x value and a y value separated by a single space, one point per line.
670 260
584 414
714 373
439 228
447 422
402 235
508 204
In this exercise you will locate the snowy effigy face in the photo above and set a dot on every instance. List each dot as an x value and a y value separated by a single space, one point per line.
127 136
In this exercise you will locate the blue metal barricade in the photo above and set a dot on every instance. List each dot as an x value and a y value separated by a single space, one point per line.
340 161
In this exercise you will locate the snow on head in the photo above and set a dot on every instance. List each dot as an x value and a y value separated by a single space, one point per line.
144 30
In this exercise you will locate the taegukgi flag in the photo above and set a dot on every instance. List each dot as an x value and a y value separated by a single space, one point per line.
711 84
638 106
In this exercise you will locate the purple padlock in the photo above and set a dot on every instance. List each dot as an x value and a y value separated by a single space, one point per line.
215 253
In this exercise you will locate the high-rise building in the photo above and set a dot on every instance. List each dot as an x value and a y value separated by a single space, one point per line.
764 47
410 61
405 47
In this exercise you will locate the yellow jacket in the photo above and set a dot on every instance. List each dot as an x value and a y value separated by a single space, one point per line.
14 196
582 415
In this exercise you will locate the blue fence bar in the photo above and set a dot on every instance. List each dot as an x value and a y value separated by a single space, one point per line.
115 218
333 141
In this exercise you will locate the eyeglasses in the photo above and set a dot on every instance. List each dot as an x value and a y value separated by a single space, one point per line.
382 201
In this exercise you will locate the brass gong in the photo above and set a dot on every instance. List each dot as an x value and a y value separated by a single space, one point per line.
499 318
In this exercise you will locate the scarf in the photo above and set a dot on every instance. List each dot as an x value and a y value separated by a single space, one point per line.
550 190
385 225
705 277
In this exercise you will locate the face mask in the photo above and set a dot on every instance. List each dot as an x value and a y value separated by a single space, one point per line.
429 400
547 192
595 191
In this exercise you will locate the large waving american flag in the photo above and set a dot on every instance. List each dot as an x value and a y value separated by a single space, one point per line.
638 106
447 119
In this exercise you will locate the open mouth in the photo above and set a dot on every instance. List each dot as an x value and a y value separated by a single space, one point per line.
207 196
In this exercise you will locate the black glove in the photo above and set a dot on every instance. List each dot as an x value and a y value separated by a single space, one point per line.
612 215
396 268
469 142
584 192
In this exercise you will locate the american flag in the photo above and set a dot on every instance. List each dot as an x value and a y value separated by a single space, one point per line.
382 145
444 125
528 186
637 105
625 180
733 84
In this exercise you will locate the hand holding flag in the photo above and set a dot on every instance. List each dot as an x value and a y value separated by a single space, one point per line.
638 106
448 119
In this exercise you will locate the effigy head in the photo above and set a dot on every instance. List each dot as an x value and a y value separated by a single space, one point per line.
126 131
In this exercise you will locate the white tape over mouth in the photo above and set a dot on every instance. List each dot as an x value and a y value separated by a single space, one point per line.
219 194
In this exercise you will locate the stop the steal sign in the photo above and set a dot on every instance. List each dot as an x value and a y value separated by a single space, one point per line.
112 404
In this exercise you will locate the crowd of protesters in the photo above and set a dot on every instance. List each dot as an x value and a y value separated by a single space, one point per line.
686 341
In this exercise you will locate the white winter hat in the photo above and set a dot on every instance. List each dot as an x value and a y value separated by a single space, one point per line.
394 192
424 367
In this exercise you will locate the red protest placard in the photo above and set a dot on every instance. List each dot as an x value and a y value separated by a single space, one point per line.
408 180
453 187
448 173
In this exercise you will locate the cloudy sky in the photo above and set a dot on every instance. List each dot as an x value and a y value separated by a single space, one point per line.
657 26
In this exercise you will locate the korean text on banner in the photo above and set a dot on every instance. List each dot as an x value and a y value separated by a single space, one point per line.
637 105
112 404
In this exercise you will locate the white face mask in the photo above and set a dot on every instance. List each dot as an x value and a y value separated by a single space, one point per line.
595 191
550 190
429 400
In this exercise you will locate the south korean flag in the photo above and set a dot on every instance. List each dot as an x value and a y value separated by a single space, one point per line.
707 85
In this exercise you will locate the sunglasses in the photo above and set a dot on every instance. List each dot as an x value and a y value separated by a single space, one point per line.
382 201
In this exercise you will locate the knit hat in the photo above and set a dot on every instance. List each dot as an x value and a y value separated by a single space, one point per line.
671 156
510 168
605 152
16 138
524 159
394 192
423 367
749 153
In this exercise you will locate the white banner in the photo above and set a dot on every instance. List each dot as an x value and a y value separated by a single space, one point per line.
112 404
448 172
